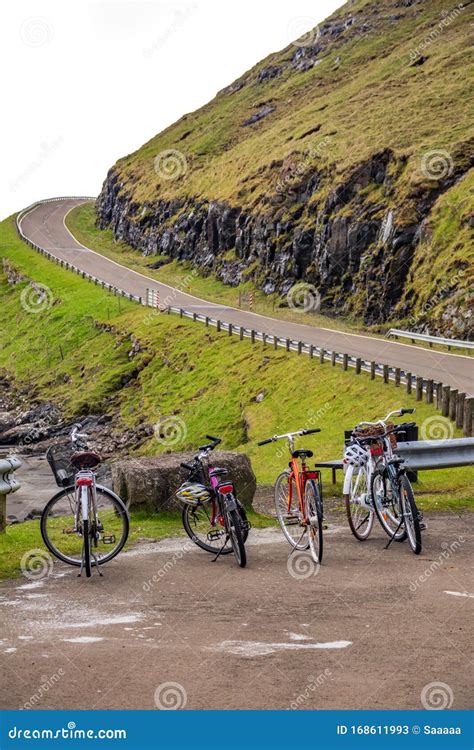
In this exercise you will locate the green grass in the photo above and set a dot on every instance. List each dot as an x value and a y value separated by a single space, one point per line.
21 538
204 379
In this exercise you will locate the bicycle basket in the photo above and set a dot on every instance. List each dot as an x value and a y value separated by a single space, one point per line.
375 431
59 458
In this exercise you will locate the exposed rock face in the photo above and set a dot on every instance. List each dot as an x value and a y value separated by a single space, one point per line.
150 482
357 252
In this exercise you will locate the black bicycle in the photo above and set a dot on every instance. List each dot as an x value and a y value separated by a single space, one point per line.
212 514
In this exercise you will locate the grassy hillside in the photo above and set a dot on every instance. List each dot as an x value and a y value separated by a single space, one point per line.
359 127
146 368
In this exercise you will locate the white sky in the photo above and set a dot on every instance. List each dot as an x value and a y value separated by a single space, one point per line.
86 83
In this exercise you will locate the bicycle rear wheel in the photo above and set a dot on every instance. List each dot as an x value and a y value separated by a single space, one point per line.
86 547
234 526
314 514
386 500
410 514
359 514
288 512
65 541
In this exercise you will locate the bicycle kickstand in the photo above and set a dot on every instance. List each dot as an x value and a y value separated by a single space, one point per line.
393 535
220 551
97 565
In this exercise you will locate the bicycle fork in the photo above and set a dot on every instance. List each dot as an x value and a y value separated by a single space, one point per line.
85 484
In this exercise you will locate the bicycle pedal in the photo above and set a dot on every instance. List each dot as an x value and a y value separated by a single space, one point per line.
214 536
423 526
70 530
108 539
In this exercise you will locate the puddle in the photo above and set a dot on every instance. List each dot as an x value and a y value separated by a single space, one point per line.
83 639
256 648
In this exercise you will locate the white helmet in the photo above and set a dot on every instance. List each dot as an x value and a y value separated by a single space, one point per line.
193 493
356 455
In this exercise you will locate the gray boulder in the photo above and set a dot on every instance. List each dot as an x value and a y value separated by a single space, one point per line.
150 482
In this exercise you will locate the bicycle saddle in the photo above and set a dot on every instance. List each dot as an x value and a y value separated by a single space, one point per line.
219 472
85 460
302 453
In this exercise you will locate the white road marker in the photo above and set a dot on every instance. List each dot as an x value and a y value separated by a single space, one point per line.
257 648
460 593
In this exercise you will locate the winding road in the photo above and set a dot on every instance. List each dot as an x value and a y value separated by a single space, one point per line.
45 225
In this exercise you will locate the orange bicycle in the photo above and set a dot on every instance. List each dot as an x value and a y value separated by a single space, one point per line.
299 498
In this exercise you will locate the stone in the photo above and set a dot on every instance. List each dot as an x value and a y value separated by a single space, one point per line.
150 482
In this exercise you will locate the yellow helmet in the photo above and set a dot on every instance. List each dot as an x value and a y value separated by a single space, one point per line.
193 493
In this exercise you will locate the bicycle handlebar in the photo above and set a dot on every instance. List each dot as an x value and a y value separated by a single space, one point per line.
397 412
289 435
187 466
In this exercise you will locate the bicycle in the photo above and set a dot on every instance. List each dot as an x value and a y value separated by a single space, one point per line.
85 523
376 483
212 513
299 498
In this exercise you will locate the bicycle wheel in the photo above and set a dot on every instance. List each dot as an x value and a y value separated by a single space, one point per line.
314 513
410 514
234 525
86 547
65 541
386 500
197 522
359 514
288 512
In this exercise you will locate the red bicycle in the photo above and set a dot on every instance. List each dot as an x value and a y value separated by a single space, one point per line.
299 498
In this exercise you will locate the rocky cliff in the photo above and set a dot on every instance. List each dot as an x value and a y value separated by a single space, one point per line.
359 186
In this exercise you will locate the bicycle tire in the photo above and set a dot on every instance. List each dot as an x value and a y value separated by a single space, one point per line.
361 529
70 491
186 514
382 511
289 520
410 514
236 536
86 547
314 512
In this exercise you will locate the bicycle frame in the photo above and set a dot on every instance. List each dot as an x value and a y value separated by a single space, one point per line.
301 476
85 496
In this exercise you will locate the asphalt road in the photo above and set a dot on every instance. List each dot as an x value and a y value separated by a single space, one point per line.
45 226
371 629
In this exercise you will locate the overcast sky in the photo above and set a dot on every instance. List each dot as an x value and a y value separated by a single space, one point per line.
86 83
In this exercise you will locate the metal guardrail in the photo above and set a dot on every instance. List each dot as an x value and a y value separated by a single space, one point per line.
424 455
8 484
450 343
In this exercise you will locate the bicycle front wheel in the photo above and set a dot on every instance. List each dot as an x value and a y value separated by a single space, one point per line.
314 515
410 514
64 537
288 512
359 513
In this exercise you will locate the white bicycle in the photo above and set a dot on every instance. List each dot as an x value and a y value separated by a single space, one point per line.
374 483
84 523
